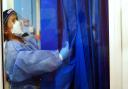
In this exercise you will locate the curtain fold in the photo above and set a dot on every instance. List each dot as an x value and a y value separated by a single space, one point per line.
84 23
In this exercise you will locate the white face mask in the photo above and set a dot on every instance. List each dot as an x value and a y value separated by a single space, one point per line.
17 29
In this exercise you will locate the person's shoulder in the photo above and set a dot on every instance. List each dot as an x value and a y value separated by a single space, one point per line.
10 42
15 44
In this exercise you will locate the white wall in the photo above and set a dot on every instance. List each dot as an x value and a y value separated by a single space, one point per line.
118 31
125 44
115 44
7 4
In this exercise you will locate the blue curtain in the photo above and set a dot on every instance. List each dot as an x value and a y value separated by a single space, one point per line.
84 23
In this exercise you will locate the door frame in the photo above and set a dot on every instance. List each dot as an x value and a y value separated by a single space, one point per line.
1 50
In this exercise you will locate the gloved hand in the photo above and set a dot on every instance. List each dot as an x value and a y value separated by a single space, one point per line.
64 52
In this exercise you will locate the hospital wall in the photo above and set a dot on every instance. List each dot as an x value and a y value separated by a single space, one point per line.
118 38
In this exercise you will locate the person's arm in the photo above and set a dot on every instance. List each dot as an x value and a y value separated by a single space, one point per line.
31 63
38 61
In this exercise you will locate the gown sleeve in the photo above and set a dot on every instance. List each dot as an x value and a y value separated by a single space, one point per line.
30 63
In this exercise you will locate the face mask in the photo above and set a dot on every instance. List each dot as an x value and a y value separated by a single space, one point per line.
17 29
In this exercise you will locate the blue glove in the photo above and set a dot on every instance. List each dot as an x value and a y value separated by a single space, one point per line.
64 52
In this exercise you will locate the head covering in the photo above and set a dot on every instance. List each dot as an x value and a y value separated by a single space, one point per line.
7 13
